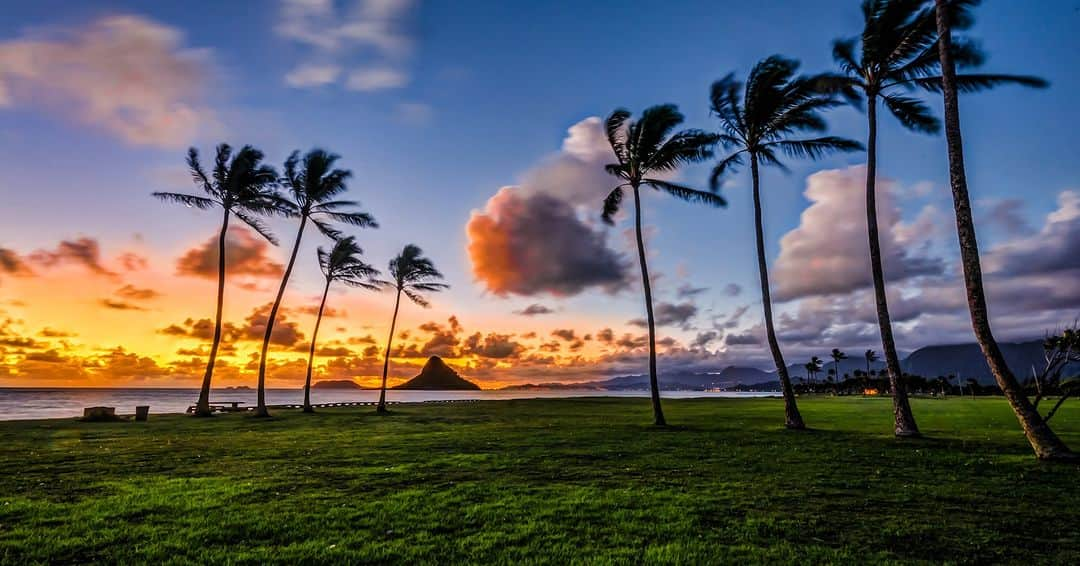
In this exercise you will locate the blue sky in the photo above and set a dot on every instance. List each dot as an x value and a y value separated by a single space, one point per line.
490 90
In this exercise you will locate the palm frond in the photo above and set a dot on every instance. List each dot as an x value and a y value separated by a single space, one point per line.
687 194
688 146
193 201
912 113
729 163
980 82
816 148
611 205
615 129
256 225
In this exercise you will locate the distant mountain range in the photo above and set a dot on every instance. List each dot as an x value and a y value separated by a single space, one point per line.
963 360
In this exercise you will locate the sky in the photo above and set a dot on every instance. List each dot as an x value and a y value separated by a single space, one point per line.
473 129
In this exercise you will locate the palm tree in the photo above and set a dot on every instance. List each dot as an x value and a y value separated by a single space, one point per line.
342 263
312 188
1047 445
240 185
646 149
412 274
871 357
815 365
897 53
837 356
773 107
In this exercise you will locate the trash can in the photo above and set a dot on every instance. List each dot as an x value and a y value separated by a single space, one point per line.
142 412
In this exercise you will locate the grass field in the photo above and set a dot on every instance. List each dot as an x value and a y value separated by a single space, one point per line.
542 481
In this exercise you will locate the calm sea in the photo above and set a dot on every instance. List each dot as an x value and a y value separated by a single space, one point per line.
26 403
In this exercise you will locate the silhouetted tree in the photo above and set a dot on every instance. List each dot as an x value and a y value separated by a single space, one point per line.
871 357
242 186
312 189
412 274
952 53
342 264
645 150
837 356
756 122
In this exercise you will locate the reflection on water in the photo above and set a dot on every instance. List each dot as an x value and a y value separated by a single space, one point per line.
25 403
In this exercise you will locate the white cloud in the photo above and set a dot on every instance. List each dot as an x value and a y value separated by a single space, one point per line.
312 75
127 74
372 37
379 78
828 252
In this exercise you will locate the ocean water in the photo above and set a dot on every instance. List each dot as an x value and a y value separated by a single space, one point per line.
27 403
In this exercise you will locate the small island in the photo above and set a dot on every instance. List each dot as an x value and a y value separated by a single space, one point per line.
337 384
437 376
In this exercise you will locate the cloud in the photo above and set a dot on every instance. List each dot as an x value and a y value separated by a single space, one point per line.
134 293
12 264
286 332
567 334
376 78
246 254
312 75
534 310
129 75
1056 247
732 289
670 314
371 37
532 243
83 251
493 345
688 291
1005 214
828 252
120 305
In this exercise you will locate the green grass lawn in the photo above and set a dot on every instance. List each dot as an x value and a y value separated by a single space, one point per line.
542 481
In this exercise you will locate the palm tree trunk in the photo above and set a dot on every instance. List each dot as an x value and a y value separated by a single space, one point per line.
381 408
260 410
1046 444
311 352
202 407
903 420
654 384
792 418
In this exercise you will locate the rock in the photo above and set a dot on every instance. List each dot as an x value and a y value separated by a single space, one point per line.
336 384
437 376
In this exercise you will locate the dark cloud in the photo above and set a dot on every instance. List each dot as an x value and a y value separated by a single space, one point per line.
246 254
120 305
531 243
732 289
134 293
12 264
84 252
534 310
286 332
492 345
670 314
567 334
688 291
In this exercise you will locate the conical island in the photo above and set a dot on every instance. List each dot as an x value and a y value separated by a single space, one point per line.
436 375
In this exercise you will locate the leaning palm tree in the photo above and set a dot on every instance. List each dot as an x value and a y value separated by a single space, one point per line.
897 52
837 356
645 150
240 185
341 264
757 122
312 188
412 274
950 53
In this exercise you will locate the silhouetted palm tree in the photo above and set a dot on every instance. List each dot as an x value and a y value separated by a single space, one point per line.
871 357
757 123
837 356
646 149
240 185
342 264
312 189
897 53
412 274
950 53
815 364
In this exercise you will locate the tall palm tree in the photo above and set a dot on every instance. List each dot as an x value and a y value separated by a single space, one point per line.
757 122
949 14
645 150
837 356
342 264
312 188
897 52
412 274
815 365
242 186
871 357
